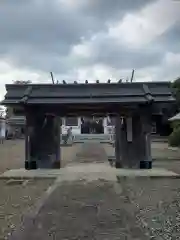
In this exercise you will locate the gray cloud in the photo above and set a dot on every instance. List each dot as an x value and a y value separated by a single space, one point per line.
106 10
169 41
111 53
39 35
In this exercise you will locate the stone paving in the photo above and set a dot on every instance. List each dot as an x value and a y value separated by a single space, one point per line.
91 153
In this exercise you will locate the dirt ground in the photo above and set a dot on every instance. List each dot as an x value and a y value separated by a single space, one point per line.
144 209
12 154
86 211
133 210
163 155
17 197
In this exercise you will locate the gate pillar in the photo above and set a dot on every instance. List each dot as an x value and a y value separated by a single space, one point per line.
42 141
132 142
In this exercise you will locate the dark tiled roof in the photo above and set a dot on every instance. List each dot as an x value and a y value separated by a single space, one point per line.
88 93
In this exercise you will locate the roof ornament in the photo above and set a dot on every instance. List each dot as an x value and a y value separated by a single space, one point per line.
132 76
26 94
52 77
147 93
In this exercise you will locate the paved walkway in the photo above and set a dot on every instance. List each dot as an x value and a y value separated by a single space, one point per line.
90 153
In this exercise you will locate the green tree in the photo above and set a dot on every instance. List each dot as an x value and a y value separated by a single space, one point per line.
176 90
174 138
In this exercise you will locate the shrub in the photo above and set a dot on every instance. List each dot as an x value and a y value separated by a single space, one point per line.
174 138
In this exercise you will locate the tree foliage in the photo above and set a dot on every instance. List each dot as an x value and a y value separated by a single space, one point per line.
174 138
176 90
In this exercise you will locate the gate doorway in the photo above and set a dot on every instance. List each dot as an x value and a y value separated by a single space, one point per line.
92 125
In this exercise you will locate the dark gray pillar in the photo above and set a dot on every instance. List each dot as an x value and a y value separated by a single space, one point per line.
117 143
26 147
132 145
146 163
43 146
58 143
30 163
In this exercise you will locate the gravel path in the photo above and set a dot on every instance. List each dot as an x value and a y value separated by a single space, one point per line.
128 209
157 206
82 210
16 198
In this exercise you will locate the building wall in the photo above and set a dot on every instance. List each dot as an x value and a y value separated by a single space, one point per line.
158 126
76 128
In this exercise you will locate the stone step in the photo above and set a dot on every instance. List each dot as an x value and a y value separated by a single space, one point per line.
92 137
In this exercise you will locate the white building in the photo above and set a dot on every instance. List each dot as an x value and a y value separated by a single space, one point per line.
76 124
2 127
107 125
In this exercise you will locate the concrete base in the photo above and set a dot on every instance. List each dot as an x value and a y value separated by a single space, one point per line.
30 165
118 165
145 165
90 171
33 165
66 144
142 165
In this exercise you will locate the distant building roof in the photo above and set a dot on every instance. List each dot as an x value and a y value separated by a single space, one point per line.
16 120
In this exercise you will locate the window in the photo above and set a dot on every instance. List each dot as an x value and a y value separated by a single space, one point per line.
71 121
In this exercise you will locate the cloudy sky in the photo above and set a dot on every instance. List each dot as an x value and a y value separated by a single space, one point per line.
89 39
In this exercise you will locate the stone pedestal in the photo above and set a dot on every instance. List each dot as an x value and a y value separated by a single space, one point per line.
133 149
42 141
